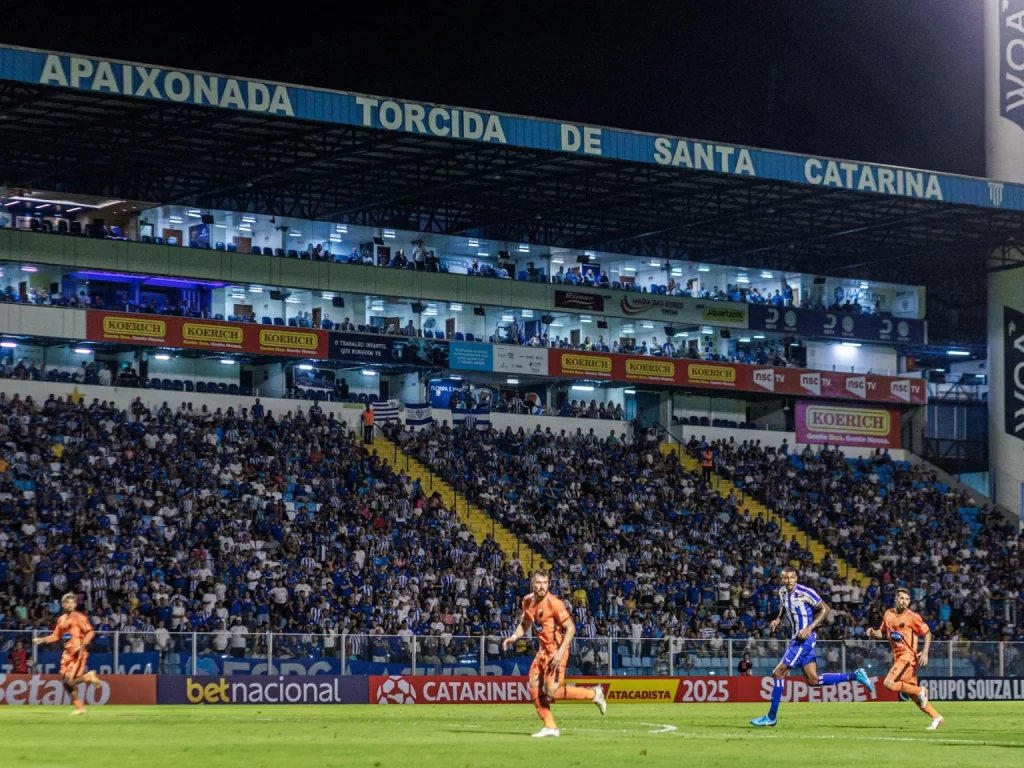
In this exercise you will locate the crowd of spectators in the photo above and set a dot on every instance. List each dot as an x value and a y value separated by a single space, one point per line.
229 522
233 521
641 536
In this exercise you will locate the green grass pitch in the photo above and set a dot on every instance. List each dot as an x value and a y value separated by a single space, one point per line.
982 734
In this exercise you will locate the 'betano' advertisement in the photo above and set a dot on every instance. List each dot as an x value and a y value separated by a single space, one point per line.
18 690
864 426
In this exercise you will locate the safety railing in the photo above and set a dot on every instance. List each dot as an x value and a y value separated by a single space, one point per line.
238 651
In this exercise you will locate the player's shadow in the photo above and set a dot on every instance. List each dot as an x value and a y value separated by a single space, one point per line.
482 732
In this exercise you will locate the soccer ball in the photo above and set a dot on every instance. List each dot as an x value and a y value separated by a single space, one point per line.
396 690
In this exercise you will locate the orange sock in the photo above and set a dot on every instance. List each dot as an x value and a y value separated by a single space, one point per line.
908 688
930 711
543 711
574 693
78 703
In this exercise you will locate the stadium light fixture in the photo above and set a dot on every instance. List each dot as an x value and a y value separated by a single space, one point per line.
455 307
654 263
221 226
82 351
473 243
249 219
707 331
524 248
864 286
507 318
681 334
343 228
629 391
744 340
957 353
629 269
527 313
455 377
176 220
26 268
194 214
511 381
703 269
255 289
758 335
368 372
557 261
291 301
647 326
850 344
767 275
161 357
294 234
326 295
305 367
335 239
586 319
389 234
227 361
44 205
939 370
582 388
8 345
742 279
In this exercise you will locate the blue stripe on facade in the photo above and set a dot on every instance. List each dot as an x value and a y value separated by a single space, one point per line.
28 66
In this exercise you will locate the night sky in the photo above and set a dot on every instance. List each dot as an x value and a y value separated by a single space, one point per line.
888 81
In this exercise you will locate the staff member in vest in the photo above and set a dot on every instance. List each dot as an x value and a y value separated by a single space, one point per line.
367 417
706 460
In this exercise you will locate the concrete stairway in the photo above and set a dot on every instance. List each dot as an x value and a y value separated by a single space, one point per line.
479 523
753 508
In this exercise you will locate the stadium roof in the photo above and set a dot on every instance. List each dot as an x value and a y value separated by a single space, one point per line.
122 130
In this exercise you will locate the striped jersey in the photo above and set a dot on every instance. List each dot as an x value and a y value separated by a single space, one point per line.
799 605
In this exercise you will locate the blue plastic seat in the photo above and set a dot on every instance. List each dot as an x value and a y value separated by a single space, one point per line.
278 321
201 386
267 320
292 253
232 389
279 252
256 250
219 246
460 336
154 384
232 247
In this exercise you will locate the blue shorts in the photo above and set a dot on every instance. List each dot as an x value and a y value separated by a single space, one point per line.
800 653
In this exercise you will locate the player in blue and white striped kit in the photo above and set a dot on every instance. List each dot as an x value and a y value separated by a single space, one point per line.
806 611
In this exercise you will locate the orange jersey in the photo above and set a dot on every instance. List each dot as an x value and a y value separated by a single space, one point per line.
902 631
71 629
548 616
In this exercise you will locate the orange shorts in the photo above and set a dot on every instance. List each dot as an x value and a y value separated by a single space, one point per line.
903 671
73 664
540 668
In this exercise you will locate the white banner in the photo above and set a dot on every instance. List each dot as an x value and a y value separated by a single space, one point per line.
525 360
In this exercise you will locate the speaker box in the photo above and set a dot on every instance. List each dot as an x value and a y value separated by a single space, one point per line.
276 296
819 281
503 255
725 334
207 218
670 331
602 324
338 301
479 311
378 241
417 308
582 259
547 319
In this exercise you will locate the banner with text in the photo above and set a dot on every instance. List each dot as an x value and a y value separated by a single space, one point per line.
388 350
975 689
819 423
735 377
470 689
267 689
49 689
213 335
836 325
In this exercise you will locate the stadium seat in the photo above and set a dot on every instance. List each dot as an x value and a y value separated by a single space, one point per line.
219 246
265 320
256 250
460 336
278 321
178 385
470 337
232 389
154 383
279 252
292 253
232 248
201 386
189 386
166 384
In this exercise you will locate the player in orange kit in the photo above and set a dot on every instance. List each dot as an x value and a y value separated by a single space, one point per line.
901 627
75 631
554 628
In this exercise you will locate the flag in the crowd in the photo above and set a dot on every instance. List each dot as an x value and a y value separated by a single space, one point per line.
475 418
386 410
418 415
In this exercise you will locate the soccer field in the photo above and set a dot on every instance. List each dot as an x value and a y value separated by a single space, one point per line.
983 734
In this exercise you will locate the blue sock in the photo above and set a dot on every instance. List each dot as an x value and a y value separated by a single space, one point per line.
831 678
780 686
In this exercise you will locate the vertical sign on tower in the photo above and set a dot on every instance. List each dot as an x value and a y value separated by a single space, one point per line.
1013 371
